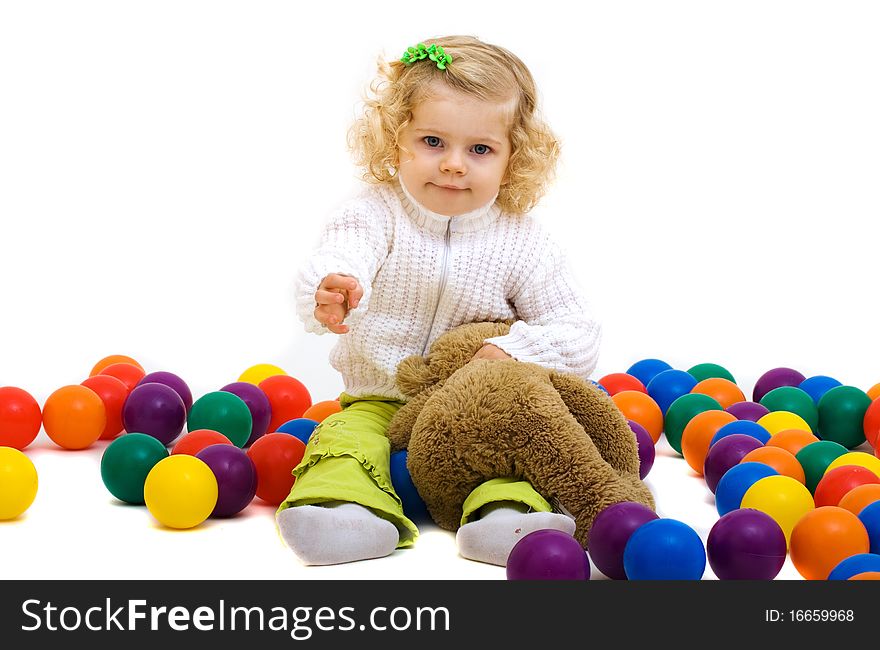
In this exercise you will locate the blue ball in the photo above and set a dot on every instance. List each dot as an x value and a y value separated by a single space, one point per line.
870 517
646 369
668 385
413 506
855 564
599 386
746 427
299 428
817 386
736 481
664 549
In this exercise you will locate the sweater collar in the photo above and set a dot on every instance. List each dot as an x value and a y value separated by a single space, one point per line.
468 222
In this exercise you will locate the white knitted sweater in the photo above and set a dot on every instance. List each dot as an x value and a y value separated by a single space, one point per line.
424 273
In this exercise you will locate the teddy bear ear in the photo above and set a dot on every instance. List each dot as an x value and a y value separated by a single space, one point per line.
415 375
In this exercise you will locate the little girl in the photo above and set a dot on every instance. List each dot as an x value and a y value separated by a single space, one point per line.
457 155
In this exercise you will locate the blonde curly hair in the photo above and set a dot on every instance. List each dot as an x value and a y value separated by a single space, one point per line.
486 72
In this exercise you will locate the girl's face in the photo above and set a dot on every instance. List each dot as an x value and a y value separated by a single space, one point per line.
458 149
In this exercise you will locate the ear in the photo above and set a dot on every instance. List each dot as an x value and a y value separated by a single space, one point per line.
414 375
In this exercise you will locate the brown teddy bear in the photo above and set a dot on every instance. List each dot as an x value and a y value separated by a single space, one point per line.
466 423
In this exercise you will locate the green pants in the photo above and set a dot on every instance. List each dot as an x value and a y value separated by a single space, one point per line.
348 459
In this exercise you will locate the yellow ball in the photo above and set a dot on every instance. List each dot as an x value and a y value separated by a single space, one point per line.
255 374
777 421
868 461
18 483
785 499
180 491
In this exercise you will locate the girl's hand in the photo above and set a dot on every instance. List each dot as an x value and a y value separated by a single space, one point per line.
489 351
336 295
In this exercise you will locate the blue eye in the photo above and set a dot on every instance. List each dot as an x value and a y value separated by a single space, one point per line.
432 140
481 149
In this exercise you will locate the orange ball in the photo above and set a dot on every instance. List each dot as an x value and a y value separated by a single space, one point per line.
74 417
113 358
824 537
723 390
791 440
320 410
113 393
871 423
874 391
620 381
859 497
867 575
288 398
779 459
127 373
640 407
193 442
838 481
698 433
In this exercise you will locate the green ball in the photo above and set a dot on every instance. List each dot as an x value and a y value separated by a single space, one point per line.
794 400
680 413
815 459
224 412
841 415
703 371
126 463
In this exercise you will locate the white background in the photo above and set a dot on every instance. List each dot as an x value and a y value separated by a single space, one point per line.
165 166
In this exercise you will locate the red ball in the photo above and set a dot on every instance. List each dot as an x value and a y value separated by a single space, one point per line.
113 393
871 423
20 418
127 373
275 455
288 398
838 481
193 442
618 381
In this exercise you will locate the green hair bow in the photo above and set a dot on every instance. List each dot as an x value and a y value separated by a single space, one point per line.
421 51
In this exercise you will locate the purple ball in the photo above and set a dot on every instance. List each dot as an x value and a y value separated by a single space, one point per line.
747 411
236 478
646 448
548 555
774 379
258 404
154 409
746 544
611 531
726 453
173 381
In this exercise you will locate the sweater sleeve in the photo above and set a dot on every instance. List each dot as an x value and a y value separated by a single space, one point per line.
353 242
555 328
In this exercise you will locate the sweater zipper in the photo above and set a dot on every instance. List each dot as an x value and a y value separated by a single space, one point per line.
443 276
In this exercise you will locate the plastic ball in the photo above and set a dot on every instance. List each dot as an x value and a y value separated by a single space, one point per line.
321 410
74 417
870 423
680 413
646 369
860 458
815 458
258 405
793 400
874 391
113 358
792 440
548 555
736 482
413 506
618 381
782 461
823 538
866 575
669 385
127 461
855 564
154 409
776 421
698 434
647 452
611 531
193 442
725 392
180 491
746 544
288 397
302 428
860 497
275 455
257 373
113 393
781 497
752 411
835 483
20 417
18 483
775 378
640 407
745 427
664 549
870 518
224 412
129 374
725 454
841 415
236 478
703 371
817 386
172 381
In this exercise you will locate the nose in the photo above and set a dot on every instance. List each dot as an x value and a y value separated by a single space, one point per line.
453 163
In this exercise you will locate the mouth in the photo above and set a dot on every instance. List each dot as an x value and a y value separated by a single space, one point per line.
449 187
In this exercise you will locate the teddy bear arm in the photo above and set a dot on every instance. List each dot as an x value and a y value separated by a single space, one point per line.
401 427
